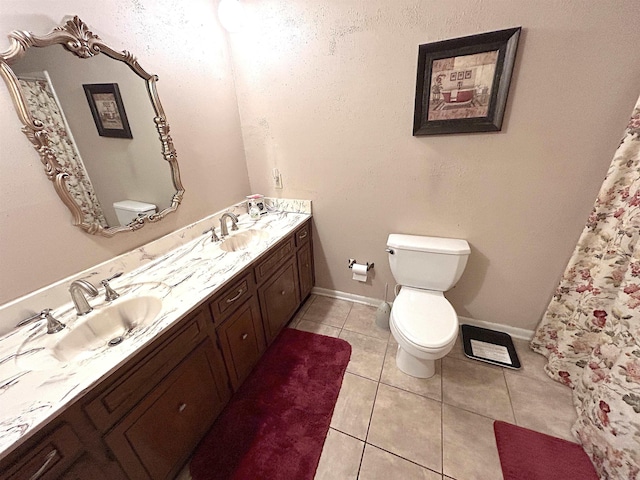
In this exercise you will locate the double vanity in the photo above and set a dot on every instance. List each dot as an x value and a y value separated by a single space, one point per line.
128 390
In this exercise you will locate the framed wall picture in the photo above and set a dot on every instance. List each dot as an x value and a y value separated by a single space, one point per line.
107 109
463 83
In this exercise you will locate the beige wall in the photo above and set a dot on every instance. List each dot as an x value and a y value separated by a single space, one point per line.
326 92
181 42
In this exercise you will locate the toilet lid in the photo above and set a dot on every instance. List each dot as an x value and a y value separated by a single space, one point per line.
425 319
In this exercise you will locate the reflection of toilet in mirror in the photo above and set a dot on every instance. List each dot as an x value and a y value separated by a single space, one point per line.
423 322
128 210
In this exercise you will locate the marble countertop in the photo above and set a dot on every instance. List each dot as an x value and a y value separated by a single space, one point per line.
34 386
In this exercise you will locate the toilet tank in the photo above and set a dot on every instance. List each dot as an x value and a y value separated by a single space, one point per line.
129 210
430 263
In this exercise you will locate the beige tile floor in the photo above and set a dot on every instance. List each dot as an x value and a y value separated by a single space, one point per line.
388 425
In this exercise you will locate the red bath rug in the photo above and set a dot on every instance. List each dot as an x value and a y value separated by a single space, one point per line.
275 425
528 455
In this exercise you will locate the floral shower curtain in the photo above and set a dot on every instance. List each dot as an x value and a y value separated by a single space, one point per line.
591 330
43 106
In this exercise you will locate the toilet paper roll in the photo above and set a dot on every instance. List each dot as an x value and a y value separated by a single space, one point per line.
360 272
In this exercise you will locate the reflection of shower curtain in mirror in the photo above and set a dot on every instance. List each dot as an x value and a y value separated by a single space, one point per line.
43 106
591 330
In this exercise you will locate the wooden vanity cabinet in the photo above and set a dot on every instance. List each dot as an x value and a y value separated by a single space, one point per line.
160 433
154 413
144 420
285 279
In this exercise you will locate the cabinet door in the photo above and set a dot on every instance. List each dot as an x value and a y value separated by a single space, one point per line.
242 341
279 299
157 437
305 270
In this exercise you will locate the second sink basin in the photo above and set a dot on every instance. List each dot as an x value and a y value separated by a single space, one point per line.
110 325
243 240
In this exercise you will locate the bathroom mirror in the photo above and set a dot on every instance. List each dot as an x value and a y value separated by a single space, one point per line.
95 118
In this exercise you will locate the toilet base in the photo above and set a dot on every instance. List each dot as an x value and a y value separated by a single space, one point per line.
416 367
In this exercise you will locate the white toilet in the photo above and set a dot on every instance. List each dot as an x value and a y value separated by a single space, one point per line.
128 210
422 321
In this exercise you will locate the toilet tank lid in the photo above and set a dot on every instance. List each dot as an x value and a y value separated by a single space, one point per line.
448 246
134 206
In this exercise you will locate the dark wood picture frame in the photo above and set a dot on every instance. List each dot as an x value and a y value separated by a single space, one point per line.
467 106
107 109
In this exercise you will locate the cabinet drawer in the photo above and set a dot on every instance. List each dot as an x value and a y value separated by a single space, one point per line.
49 458
303 234
155 439
273 261
242 341
231 298
117 400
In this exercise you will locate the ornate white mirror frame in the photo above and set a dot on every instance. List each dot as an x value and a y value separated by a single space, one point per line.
76 38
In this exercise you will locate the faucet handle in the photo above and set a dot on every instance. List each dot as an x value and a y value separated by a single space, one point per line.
212 231
109 293
53 324
115 275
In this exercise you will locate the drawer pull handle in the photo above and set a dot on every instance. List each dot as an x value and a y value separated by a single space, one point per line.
182 407
244 336
238 295
303 234
283 292
48 459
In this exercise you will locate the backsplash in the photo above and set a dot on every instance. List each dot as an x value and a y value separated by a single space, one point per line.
57 294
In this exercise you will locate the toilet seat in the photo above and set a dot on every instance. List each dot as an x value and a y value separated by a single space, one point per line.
425 319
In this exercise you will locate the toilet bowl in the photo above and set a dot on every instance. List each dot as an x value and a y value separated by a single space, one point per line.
425 325
422 320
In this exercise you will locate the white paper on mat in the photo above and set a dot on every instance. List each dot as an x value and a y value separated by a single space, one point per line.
490 351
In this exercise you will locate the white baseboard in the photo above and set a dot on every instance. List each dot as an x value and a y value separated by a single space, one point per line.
516 332
352 297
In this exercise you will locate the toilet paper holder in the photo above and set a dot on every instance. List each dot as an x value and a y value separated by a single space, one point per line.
352 261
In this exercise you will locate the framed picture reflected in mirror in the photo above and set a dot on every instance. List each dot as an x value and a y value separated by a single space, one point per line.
107 109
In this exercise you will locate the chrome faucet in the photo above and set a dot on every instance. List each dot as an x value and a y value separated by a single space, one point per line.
223 223
53 324
79 300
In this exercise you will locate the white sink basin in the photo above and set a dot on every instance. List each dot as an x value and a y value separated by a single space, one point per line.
243 240
110 325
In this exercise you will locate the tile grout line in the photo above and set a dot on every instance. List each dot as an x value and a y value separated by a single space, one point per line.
375 397
405 459
513 410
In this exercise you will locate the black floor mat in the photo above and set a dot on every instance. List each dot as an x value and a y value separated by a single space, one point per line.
489 346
